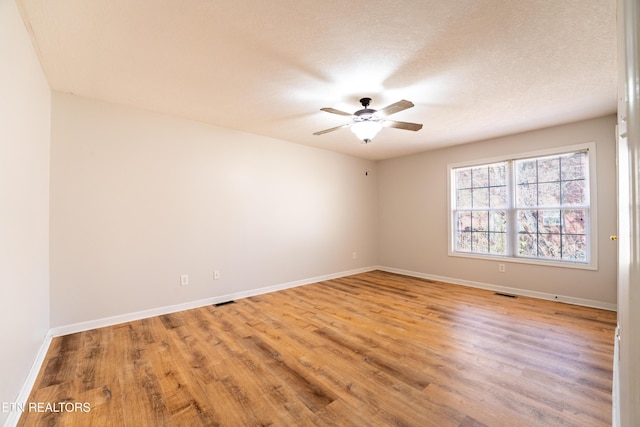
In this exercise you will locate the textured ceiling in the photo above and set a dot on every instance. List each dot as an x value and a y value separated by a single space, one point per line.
474 69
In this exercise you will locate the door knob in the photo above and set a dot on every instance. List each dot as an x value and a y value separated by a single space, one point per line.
613 237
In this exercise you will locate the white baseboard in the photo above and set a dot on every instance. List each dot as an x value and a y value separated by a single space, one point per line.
129 317
25 391
505 289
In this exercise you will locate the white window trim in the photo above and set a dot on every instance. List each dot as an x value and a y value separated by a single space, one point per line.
593 208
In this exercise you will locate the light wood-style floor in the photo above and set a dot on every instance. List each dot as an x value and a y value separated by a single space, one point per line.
374 349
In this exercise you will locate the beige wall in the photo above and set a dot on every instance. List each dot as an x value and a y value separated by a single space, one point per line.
24 204
139 198
413 214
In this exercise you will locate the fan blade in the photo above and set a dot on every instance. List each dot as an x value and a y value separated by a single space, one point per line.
402 125
332 129
334 111
394 108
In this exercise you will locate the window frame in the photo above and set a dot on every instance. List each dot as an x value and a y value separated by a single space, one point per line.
512 225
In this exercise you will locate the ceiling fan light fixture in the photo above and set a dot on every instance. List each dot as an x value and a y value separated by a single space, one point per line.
367 122
366 130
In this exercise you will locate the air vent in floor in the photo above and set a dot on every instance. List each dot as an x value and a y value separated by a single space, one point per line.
220 304
505 295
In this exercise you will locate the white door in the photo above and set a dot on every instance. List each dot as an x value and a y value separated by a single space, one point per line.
624 251
626 411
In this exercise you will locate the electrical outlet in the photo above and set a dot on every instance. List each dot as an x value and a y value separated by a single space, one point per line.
354 255
184 279
216 275
502 268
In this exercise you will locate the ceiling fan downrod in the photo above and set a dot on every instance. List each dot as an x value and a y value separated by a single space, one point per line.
365 102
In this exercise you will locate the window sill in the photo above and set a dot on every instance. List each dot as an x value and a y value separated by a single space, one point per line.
541 262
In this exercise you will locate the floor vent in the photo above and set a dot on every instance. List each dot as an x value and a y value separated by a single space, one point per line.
505 295
220 304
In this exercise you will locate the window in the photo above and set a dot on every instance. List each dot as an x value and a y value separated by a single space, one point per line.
531 208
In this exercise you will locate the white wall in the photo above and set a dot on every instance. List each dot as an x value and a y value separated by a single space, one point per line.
139 198
24 204
413 214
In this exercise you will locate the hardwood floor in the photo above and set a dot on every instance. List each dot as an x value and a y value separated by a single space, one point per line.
373 349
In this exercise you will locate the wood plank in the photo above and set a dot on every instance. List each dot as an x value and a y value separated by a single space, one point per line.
370 349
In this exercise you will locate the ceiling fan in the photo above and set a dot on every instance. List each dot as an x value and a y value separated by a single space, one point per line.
367 122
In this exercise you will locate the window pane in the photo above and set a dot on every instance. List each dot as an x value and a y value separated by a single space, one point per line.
498 221
480 221
527 245
573 192
549 221
574 221
498 174
480 198
463 242
528 222
463 178
498 243
498 197
574 166
464 221
574 248
526 171
549 170
549 245
549 194
480 242
480 177
463 199
527 195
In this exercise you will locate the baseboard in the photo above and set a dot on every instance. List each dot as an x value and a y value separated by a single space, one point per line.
25 391
129 317
114 320
505 289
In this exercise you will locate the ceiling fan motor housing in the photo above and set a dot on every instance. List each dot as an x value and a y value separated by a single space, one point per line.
365 113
